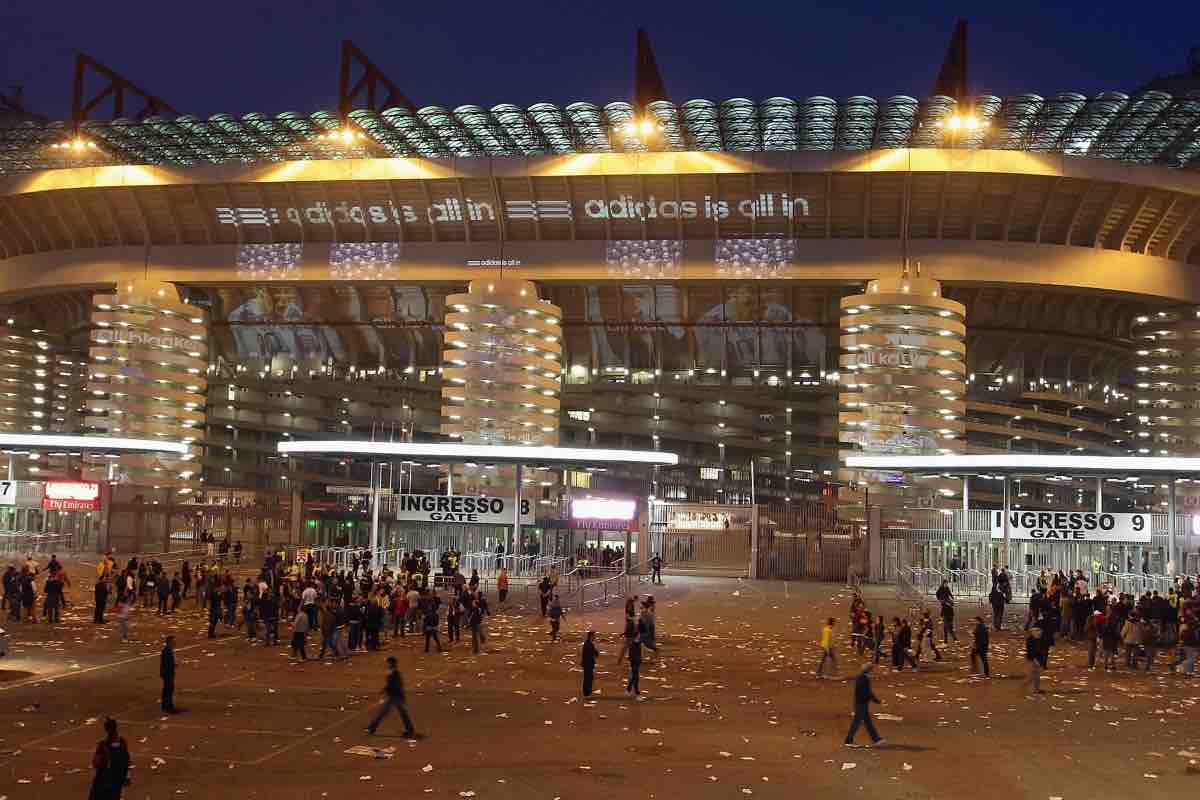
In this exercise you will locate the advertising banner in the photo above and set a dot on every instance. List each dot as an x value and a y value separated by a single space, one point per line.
460 508
71 496
1073 526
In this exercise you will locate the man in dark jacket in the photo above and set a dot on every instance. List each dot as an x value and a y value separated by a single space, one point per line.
633 688
946 598
111 762
101 601
393 697
863 697
902 645
166 671
996 598
214 611
979 648
588 662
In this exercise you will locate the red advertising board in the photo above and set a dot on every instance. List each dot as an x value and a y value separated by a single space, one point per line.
71 496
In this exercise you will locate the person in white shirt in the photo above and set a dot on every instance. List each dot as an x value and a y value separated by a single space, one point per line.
308 604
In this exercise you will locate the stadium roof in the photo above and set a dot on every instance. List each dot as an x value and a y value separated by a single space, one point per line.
1150 127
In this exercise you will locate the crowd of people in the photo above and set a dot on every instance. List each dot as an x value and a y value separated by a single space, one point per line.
1119 630
21 593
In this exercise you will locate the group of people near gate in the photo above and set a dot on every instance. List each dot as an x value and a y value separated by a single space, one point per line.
1114 624
21 594
909 638
1116 627
353 609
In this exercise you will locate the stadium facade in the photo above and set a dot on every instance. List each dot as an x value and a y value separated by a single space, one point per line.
240 281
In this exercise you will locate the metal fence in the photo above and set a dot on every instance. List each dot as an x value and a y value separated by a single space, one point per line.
602 592
806 541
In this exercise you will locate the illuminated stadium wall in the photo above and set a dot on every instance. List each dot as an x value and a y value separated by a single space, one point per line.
700 295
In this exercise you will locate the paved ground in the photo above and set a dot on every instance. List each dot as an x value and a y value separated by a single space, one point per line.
733 711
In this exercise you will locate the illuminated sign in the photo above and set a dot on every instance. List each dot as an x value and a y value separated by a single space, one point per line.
1073 526
599 508
459 508
71 496
764 205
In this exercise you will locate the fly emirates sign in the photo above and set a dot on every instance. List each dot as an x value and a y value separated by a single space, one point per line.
1073 526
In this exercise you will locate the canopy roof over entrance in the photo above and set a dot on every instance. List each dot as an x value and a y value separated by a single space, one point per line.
1026 464
454 453
54 443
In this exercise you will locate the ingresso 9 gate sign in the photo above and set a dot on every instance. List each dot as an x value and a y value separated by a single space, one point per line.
1073 526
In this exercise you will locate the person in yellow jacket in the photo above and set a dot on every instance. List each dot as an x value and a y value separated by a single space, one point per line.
827 653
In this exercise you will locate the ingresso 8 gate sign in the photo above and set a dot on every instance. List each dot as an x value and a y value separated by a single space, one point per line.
1073 526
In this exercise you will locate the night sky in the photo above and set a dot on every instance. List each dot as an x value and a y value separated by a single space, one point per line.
236 57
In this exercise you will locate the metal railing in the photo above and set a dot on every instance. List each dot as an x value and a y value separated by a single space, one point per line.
1135 583
601 592
29 542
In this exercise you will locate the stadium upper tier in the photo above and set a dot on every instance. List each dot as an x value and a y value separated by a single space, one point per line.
1150 127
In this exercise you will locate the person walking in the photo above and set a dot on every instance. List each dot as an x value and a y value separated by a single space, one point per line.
979 646
545 591
902 645
863 697
502 585
162 589
454 615
300 628
996 598
111 762
827 653
1093 630
1110 639
878 632
431 626
214 611
166 671
393 697
328 623
54 597
1033 657
556 614
588 662
629 634
633 687
946 598
926 635
122 610
475 620
1131 637
101 601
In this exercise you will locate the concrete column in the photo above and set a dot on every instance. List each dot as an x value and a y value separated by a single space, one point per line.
376 479
516 540
103 536
753 570
297 517
1171 527
1007 506
874 559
